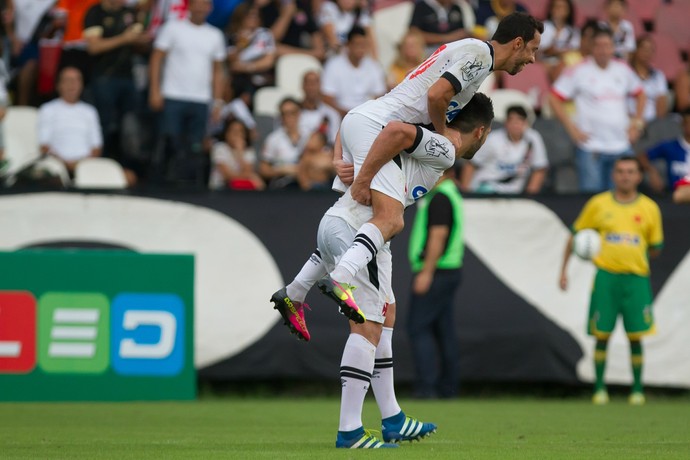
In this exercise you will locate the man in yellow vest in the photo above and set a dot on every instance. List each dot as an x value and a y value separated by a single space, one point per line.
435 253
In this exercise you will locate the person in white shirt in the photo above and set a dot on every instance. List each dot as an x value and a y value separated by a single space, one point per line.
186 77
623 30
352 78
69 129
337 18
282 149
653 81
513 159
602 129
316 115
233 160
560 36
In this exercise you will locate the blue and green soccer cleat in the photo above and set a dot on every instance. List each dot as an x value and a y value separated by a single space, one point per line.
400 427
360 439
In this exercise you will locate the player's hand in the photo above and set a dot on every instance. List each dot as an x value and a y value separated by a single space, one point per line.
563 282
345 171
422 282
361 193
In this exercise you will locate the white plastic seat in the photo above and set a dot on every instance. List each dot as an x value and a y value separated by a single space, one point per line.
267 99
290 70
99 173
21 137
390 25
504 98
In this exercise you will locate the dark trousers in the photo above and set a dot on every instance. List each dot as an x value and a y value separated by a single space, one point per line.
431 327
114 97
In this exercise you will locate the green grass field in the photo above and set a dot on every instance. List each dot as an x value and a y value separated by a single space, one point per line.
305 428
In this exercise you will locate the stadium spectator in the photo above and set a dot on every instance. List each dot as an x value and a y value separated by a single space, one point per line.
681 194
294 26
439 22
490 12
222 11
317 115
653 81
675 154
315 167
111 33
560 36
162 11
623 30
513 159
338 17
602 128
435 253
252 50
233 160
354 65
186 79
74 53
411 53
68 129
587 32
233 107
282 149
681 88
29 19
629 224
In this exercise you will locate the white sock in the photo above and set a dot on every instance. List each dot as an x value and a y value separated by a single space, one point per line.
355 377
312 271
367 243
382 379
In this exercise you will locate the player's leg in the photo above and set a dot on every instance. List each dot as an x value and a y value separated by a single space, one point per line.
603 311
357 362
638 321
289 301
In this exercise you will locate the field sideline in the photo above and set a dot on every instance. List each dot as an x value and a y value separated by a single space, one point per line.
305 428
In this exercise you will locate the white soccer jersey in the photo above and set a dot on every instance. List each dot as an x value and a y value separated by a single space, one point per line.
600 97
464 63
407 178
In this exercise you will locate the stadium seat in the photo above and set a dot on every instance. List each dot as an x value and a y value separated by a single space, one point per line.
659 130
265 125
290 69
504 98
672 19
645 9
532 81
537 8
560 151
390 25
267 99
21 137
99 173
667 57
586 9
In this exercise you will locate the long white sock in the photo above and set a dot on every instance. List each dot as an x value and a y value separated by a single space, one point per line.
382 379
312 271
355 377
367 243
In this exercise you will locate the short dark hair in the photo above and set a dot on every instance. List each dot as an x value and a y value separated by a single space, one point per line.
478 112
517 25
603 29
685 113
590 24
356 30
289 100
630 158
517 110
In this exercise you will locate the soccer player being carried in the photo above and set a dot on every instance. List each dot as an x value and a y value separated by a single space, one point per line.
421 157
630 227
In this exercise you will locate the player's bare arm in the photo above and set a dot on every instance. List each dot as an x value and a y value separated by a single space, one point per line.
439 98
394 138
563 280
344 170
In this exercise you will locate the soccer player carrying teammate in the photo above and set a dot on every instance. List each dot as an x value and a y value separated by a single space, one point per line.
630 227
422 157
433 93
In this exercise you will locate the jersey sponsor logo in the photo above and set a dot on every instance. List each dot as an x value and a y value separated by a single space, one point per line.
428 63
623 238
470 70
418 192
434 148
452 111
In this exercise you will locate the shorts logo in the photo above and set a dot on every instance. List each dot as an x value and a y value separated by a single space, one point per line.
470 70
418 192
435 148
452 111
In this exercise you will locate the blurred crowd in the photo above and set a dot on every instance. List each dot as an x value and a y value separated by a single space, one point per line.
192 91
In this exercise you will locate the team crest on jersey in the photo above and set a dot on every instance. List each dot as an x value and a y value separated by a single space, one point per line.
418 192
452 111
435 148
470 70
